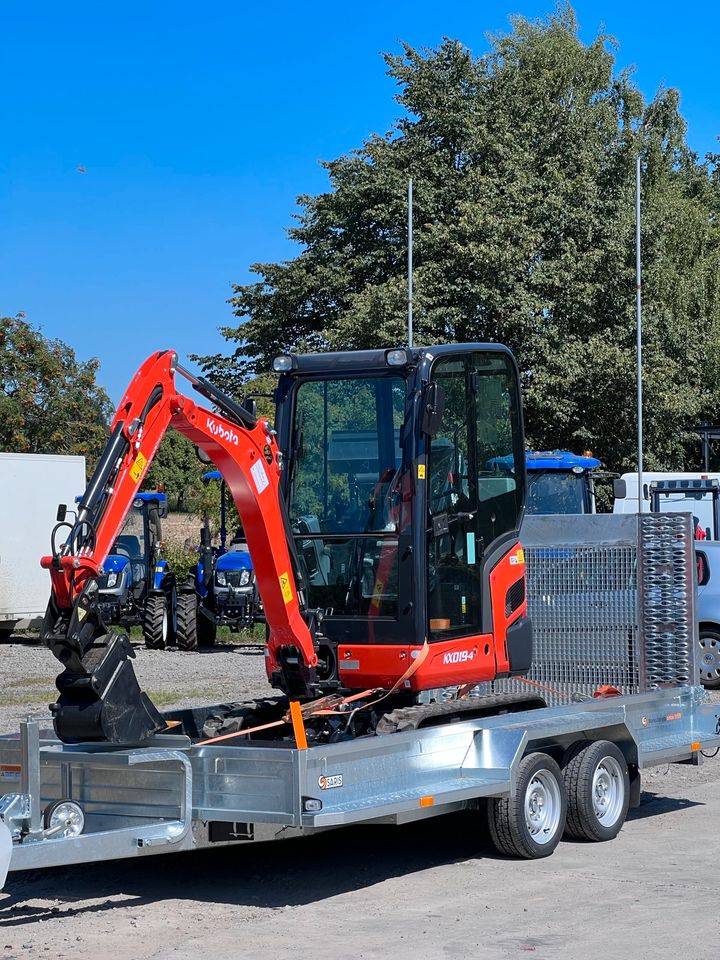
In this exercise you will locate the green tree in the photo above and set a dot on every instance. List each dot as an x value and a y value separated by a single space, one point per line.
523 166
50 402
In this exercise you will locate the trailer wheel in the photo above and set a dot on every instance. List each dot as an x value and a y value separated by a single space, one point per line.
710 659
186 634
156 622
530 822
598 790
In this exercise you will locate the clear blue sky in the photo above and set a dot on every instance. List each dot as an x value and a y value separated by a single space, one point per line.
199 124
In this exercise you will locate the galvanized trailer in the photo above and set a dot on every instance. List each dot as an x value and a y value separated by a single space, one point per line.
623 600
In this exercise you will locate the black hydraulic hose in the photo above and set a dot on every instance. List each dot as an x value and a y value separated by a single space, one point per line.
229 407
116 448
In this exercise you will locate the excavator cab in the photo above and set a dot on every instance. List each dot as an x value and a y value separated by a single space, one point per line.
405 485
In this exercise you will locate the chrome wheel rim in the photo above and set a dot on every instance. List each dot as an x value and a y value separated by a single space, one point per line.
608 791
543 806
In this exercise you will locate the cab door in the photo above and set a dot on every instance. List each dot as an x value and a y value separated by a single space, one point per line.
475 488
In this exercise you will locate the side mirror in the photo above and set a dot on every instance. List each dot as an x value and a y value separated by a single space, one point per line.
619 489
434 407
250 404
202 456
162 509
61 512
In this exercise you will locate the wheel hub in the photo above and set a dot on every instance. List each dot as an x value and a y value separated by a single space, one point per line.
542 807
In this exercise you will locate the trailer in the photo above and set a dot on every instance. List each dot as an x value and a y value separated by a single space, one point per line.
613 598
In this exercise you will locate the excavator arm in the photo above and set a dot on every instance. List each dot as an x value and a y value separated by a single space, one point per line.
100 697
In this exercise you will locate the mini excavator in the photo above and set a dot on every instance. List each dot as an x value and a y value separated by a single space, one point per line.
381 512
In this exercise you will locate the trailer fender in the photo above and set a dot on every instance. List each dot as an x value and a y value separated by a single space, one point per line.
6 846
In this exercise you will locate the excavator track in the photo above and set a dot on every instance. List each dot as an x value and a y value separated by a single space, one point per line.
452 711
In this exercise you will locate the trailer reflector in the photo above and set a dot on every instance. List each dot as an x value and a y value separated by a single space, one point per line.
696 746
426 801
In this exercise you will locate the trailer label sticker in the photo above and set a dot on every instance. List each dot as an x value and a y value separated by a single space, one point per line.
259 475
10 771
285 587
137 468
327 783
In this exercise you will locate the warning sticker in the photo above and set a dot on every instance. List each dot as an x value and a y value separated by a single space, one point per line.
421 471
259 475
285 587
137 468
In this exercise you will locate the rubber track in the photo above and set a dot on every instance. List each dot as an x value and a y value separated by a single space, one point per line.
153 623
433 714
186 633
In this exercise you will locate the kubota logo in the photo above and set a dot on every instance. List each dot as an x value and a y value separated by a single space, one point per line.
217 430
459 656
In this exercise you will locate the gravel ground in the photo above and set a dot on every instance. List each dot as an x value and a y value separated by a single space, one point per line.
434 889
172 678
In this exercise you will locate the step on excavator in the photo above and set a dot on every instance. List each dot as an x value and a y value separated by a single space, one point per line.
382 515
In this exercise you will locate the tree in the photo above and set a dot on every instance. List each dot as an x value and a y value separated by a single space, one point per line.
523 166
50 402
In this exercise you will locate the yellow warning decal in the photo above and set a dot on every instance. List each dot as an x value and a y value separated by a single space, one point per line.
421 471
137 468
521 555
285 587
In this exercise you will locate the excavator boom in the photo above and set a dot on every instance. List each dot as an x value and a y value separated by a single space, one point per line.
246 453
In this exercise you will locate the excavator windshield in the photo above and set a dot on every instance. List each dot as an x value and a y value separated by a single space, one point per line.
345 497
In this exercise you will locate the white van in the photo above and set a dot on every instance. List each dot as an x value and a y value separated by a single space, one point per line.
700 505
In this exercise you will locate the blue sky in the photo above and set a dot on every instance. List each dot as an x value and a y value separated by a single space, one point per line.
199 124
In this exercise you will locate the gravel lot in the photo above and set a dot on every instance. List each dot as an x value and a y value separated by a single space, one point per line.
436 889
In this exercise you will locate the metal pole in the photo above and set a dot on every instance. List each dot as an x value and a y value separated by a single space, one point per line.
638 312
410 263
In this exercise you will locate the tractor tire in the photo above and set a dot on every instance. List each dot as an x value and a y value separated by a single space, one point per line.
598 790
206 631
156 622
186 635
530 822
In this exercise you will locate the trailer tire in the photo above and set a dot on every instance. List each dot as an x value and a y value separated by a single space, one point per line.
598 790
186 635
530 822
156 622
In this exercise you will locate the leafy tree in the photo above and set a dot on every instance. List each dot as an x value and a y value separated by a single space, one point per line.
177 470
50 402
523 165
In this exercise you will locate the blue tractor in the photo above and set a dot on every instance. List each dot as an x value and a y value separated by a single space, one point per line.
560 482
221 590
136 586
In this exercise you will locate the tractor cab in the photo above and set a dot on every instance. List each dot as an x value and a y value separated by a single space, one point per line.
560 482
136 585
404 477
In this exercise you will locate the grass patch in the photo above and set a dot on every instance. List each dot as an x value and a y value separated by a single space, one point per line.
29 682
167 698
32 696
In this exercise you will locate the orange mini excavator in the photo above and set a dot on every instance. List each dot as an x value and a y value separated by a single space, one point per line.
382 515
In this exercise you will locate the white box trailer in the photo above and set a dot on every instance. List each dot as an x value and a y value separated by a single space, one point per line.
31 487
626 493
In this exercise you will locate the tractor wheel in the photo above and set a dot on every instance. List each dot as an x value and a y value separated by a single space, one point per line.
156 622
598 790
186 635
206 631
530 822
